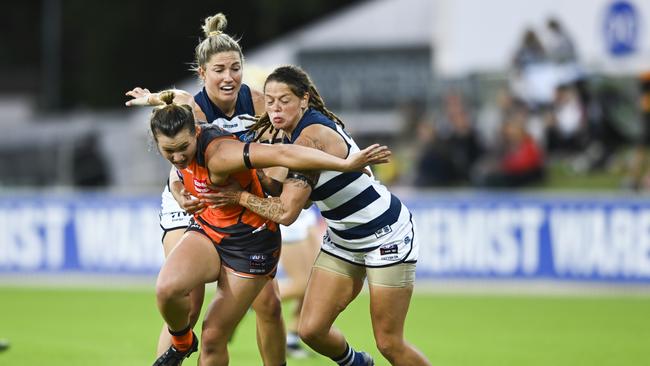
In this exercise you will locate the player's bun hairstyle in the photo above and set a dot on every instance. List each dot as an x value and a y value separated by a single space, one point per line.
171 118
216 41
300 84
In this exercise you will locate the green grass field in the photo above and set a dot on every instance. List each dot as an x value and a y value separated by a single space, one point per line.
119 327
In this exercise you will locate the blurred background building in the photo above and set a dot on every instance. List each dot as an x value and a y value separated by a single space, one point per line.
471 95
438 80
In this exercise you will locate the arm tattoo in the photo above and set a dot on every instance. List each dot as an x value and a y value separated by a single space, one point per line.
312 142
270 208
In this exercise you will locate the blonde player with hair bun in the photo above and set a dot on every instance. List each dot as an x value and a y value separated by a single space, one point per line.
226 102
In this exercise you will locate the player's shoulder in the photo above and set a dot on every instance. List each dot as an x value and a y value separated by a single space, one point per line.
258 101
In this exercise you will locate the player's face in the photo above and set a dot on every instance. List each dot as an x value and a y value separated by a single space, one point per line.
180 149
284 107
222 76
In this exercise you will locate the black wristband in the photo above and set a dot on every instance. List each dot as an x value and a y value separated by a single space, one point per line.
302 177
247 158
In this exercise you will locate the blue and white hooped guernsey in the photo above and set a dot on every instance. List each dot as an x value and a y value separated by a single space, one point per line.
241 120
361 214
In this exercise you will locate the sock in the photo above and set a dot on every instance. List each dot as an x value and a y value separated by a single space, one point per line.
182 340
292 339
349 358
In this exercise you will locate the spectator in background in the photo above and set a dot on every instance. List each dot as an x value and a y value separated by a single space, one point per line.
530 52
520 163
561 50
89 164
491 116
446 157
462 140
533 77
433 163
566 126
558 44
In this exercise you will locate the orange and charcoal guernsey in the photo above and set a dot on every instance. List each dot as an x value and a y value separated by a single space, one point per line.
227 221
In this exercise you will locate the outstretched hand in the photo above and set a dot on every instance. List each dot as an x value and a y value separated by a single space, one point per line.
141 97
373 154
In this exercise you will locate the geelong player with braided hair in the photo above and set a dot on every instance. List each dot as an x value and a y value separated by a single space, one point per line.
370 233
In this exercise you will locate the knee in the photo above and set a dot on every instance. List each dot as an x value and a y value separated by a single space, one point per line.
213 340
270 309
390 346
167 289
310 334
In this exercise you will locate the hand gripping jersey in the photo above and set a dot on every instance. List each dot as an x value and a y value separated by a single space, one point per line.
232 221
361 214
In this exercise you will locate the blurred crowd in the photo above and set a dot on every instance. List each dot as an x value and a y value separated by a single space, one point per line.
546 110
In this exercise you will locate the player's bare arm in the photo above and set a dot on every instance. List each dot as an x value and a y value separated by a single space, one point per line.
283 210
227 156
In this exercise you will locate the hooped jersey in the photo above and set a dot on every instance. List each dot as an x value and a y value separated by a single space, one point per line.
360 212
241 120
228 221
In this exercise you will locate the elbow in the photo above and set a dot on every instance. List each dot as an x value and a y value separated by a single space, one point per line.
285 221
288 218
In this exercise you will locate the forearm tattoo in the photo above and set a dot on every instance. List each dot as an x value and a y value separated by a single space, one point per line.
271 207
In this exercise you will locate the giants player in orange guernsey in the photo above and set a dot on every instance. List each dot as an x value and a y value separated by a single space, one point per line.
247 245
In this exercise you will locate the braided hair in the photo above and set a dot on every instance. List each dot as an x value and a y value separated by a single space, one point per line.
299 83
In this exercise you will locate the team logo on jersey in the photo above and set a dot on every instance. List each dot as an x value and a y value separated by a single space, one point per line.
383 231
201 185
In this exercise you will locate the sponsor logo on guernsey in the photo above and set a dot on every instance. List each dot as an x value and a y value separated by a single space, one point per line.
179 214
383 231
407 240
389 251
386 249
